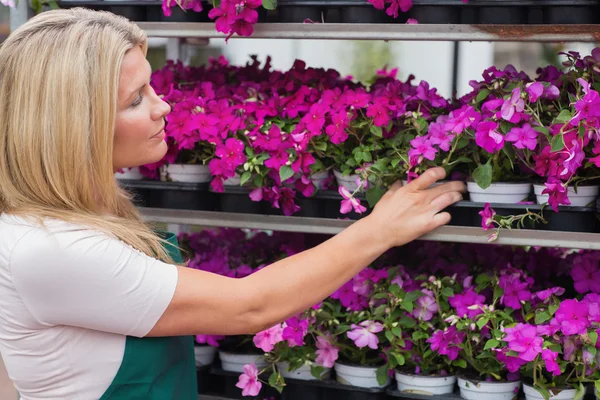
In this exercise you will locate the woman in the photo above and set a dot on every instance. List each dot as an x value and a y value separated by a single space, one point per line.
92 305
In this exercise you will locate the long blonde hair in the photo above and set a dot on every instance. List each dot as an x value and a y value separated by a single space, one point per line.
59 78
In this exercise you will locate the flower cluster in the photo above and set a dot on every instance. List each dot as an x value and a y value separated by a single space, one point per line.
499 314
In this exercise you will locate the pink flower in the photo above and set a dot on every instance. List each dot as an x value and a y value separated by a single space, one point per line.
295 331
524 339
463 302
426 306
534 91
232 152
513 105
211 340
513 364
421 146
379 111
350 202
557 193
327 354
337 130
412 21
488 137
438 135
525 137
364 334
267 339
572 316
487 217
545 294
249 382
447 342
461 119
574 159
586 275
515 290
550 358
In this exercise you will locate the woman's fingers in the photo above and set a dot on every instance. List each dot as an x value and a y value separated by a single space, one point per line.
428 178
437 191
445 200
440 219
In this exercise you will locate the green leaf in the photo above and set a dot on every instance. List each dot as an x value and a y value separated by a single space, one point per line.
580 392
460 363
269 4
447 292
412 296
389 336
482 322
552 309
593 337
498 292
482 95
400 358
491 344
558 143
542 317
505 127
366 156
276 381
317 371
542 129
376 131
483 175
543 391
597 385
245 177
285 173
407 322
407 305
418 335
483 279
397 331
564 116
321 146
382 374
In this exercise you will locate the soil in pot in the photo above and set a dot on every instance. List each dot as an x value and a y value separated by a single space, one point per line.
425 385
471 389
499 193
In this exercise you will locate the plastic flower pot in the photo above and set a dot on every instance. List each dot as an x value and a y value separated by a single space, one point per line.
177 195
498 12
425 385
292 13
507 193
479 390
205 355
532 394
302 374
189 173
364 377
362 14
133 174
235 362
236 199
235 181
436 12
350 182
319 179
572 12
586 195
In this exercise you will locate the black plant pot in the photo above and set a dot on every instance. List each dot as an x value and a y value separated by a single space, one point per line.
571 12
176 195
235 199
498 12
366 14
300 13
309 207
129 11
436 12
155 14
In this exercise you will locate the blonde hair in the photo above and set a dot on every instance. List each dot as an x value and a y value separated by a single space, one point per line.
59 79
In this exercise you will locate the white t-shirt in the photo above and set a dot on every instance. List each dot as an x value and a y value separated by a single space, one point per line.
69 295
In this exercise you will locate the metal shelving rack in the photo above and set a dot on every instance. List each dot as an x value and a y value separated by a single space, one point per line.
430 32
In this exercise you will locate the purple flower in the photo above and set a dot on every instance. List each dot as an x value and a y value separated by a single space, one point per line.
550 358
545 294
294 331
574 160
232 152
461 119
426 306
438 136
525 137
463 303
515 290
421 146
447 342
572 316
524 339
586 275
487 217
488 137
513 364
557 193
514 104
364 334
211 340
534 91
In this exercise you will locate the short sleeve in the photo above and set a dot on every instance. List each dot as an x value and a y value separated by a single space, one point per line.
84 278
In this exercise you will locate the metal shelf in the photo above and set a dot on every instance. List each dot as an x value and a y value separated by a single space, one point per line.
332 226
421 32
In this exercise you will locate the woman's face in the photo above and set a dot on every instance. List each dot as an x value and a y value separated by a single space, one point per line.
139 130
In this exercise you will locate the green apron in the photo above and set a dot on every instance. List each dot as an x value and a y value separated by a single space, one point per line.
156 368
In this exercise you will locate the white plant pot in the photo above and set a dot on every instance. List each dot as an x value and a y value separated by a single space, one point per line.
235 362
477 390
303 373
584 196
319 178
235 181
364 377
506 193
532 394
205 355
349 182
130 173
189 173
425 385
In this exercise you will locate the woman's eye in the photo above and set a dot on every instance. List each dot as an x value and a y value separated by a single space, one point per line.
137 101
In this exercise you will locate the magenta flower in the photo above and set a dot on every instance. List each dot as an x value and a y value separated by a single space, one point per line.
337 130
488 137
524 339
326 353
438 135
249 382
447 342
547 330
572 316
550 358
379 111
463 303
461 119
487 217
514 104
211 340
267 339
513 364
543 295
548 163
557 193
574 159
232 152
523 138
315 119
586 275
364 334
294 331
421 147
350 202
534 91
425 306
515 290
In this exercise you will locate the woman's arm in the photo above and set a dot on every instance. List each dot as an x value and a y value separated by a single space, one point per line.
206 303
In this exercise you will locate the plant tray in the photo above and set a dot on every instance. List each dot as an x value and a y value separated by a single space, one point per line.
176 195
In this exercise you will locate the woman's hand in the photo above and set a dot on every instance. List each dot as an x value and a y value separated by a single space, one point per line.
405 213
